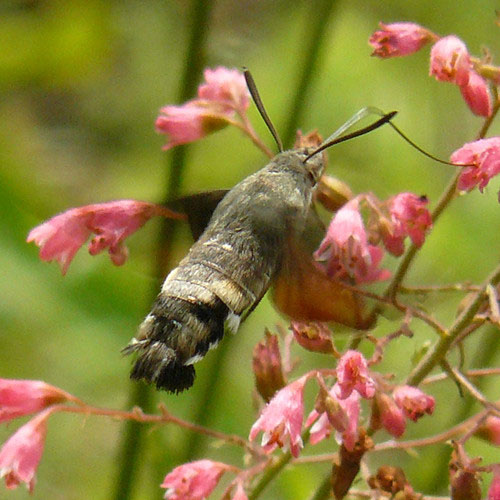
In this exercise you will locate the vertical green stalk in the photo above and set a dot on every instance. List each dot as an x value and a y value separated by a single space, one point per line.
316 26
141 395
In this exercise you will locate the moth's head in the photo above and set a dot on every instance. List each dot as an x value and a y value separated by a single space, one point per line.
314 165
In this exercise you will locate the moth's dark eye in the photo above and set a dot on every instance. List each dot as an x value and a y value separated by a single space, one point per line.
311 177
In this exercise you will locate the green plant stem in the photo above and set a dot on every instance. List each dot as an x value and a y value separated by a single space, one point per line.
439 350
140 395
324 490
269 474
316 26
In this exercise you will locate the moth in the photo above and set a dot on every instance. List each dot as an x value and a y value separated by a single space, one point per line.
247 239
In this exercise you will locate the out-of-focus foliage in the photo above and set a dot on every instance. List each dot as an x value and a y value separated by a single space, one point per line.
81 82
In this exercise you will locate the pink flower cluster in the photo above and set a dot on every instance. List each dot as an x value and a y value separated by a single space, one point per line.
61 237
223 94
347 248
337 408
450 60
21 453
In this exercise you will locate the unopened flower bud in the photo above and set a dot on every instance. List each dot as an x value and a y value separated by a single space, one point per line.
267 367
314 337
464 485
386 414
490 430
332 193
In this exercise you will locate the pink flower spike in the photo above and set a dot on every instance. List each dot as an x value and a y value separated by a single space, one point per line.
413 402
194 480
346 250
341 415
476 94
281 420
409 216
485 157
494 491
60 238
21 453
22 397
399 39
450 61
227 87
352 374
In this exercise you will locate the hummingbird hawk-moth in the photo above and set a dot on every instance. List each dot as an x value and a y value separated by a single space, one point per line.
250 242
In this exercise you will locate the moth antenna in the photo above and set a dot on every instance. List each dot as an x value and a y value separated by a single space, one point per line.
335 139
252 88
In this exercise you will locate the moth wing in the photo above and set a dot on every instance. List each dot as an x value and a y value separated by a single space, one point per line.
303 291
199 209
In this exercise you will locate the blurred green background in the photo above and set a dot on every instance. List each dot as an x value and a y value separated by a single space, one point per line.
81 83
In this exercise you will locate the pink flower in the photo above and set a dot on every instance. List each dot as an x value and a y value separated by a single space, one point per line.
477 94
223 94
314 337
190 122
413 401
225 86
494 491
409 217
193 481
267 367
346 249
21 453
240 492
450 61
60 238
399 39
281 420
485 157
352 374
391 416
340 414
490 430
22 397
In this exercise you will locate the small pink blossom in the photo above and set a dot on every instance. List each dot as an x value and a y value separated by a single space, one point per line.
226 86
194 480
476 94
21 453
490 430
281 419
240 492
494 491
413 402
346 249
314 337
409 217
190 122
60 238
22 397
391 416
485 157
220 97
450 61
341 415
399 39
352 374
